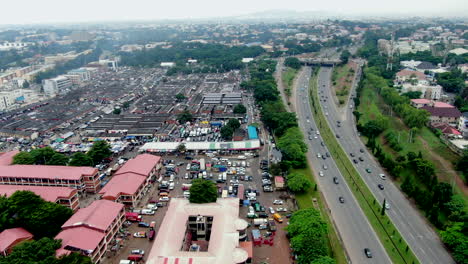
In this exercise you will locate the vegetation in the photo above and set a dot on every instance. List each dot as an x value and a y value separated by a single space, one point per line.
239 109
203 191
42 251
180 97
292 62
41 156
28 210
293 148
342 79
228 129
185 117
99 151
117 111
288 79
452 81
80 159
308 235
298 182
344 56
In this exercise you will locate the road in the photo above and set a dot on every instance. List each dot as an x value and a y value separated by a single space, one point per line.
424 242
353 227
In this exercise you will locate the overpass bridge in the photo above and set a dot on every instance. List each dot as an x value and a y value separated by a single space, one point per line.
320 61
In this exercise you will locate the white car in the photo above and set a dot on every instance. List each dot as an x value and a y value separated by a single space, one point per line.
387 206
382 176
318 132
186 176
152 206
280 209
140 234
137 251
321 173
277 202
164 199
272 211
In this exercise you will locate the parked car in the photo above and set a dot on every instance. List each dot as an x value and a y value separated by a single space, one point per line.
143 224
272 211
382 176
368 170
140 234
381 187
277 202
341 199
368 253
137 251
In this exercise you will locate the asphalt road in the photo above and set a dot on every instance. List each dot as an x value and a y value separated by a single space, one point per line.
353 227
416 231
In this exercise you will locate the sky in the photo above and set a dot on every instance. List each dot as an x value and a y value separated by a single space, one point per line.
47 11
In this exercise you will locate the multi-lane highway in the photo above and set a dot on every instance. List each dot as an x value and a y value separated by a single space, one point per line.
421 238
352 224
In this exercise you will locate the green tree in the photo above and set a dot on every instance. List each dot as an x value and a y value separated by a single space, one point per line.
79 159
292 62
308 235
25 84
227 132
126 105
117 111
42 155
442 193
456 239
203 191
413 94
324 260
99 151
298 182
233 123
179 97
181 148
185 117
462 165
58 159
24 158
239 109
344 57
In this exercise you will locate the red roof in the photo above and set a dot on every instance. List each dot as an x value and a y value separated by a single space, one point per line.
51 194
98 215
141 164
80 237
420 101
279 179
446 128
408 73
9 236
443 105
126 183
6 158
443 112
46 172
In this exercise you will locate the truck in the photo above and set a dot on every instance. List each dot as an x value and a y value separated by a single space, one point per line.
279 183
256 236
133 217
224 194
259 221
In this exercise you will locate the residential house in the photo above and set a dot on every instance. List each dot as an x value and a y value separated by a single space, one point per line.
449 115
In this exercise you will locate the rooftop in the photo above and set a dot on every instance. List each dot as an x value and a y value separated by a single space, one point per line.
82 238
443 112
51 194
10 236
46 172
141 164
125 183
6 158
408 73
99 215
224 241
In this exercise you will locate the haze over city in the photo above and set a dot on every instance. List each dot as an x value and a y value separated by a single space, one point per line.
48 11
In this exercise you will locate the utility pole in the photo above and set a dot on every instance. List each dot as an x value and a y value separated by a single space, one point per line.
383 207
390 53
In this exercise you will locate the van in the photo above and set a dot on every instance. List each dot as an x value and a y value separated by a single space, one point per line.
151 235
278 218
135 257
204 175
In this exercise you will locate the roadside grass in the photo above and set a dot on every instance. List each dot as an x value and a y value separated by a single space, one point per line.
342 79
288 79
389 236
305 200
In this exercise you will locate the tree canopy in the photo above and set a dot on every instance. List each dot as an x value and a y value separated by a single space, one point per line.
99 151
292 62
239 109
344 57
298 182
203 191
185 117
79 159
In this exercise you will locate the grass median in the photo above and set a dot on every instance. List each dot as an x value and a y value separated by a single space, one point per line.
394 244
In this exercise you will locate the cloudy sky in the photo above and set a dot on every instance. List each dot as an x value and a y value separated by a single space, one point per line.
43 11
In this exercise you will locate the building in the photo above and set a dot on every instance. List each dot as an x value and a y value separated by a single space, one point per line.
200 233
80 178
91 231
459 51
418 103
410 76
78 76
81 36
167 64
449 115
202 146
56 85
463 124
132 180
432 92
9 238
446 129
14 45
65 196
6 158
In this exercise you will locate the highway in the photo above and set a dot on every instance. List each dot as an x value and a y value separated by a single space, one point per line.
424 242
352 225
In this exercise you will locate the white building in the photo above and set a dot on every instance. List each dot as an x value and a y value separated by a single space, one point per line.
6 100
463 124
167 64
427 91
78 76
56 85
14 45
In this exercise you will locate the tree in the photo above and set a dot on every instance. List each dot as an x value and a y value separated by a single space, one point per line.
203 191
442 193
324 260
462 165
58 159
456 239
117 111
344 57
184 117
308 235
373 128
298 182
292 62
126 105
42 155
42 251
181 148
25 84
226 132
80 159
179 97
99 151
413 94
233 123
23 158
239 109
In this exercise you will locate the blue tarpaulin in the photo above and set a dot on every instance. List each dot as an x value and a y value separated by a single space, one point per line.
252 131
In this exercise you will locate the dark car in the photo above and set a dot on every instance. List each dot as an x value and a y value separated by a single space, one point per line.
368 253
324 157
361 150
361 158
335 180
327 154
337 136
263 215
323 144
143 224
341 199
381 187
355 161
351 154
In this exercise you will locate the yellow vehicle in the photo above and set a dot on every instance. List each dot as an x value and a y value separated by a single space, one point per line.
278 218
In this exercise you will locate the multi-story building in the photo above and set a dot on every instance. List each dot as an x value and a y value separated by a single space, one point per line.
80 178
56 85
78 76
9 238
91 231
448 115
65 196
463 124
432 92
14 45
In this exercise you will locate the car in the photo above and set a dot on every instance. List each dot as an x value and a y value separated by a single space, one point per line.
323 144
338 125
361 150
318 133
281 209
310 137
277 202
143 224
263 215
368 253
355 161
137 252
315 137
324 157
382 176
321 173
164 199
387 206
361 158
335 180
318 155
140 234
381 187
341 199
324 167
327 154
351 154
272 211
368 170
337 136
